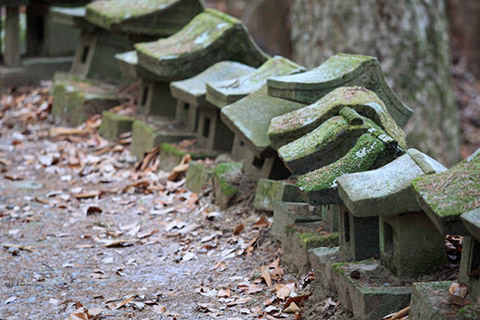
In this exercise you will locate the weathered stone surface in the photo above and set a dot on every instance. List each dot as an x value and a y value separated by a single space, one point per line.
321 260
127 61
222 93
155 99
146 136
32 71
366 299
270 191
114 124
74 101
469 264
428 302
226 179
295 224
471 219
332 140
198 176
147 17
445 196
212 133
320 185
250 117
340 70
193 90
397 233
286 214
359 236
386 191
95 52
61 32
293 125
210 37
330 216
425 162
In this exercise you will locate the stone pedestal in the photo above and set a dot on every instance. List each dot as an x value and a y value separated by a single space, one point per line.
397 236
359 236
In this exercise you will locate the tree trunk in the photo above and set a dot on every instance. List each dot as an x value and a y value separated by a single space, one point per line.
410 39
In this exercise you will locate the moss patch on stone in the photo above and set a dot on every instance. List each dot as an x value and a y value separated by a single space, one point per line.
451 192
340 70
315 240
202 31
360 158
210 37
114 124
295 124
224 173
149 17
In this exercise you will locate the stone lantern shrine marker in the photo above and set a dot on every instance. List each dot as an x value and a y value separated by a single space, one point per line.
114 26
341 70
223 93
191 96
209 38
249 119
317 135
345 141
111 28
50 39
451 200
384 199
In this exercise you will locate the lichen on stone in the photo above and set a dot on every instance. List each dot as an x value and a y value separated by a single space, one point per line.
290 126
207 27
360 158
453 191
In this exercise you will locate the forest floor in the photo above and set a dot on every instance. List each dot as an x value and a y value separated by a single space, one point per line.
85 234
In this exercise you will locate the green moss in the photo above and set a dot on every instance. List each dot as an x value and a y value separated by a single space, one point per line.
224 173
106 13
315 240
360 158
451 192
322 136
295 124
203 30
175 151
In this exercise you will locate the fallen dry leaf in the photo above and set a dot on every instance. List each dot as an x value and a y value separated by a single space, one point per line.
87 195
266 275
282 291
121 304
262 223
13 177
180 169
60 131
224 293
41 200
238 228
292 308
118 243
93 210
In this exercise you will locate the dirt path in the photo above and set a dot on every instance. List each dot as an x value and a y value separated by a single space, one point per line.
79 226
